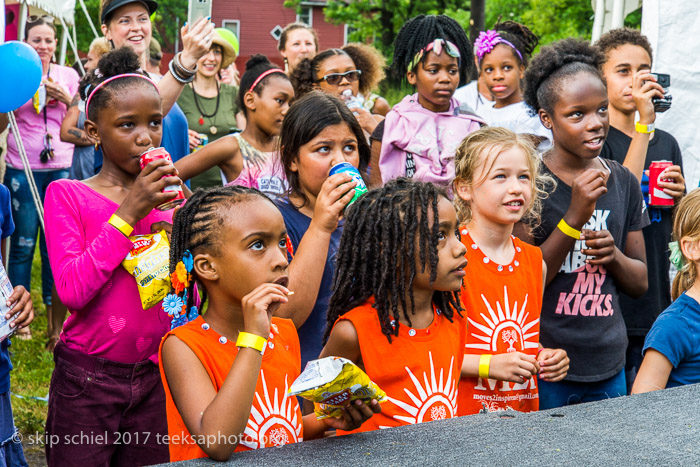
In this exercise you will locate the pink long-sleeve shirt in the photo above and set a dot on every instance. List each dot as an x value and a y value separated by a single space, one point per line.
106 317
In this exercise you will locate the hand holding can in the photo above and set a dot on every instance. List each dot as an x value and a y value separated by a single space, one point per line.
348 168
160 153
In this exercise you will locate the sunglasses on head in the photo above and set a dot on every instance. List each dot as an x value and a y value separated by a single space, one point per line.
334 79
35 18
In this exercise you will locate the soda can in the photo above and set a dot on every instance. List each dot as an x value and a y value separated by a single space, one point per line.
154 154
657 197
348 168
203 141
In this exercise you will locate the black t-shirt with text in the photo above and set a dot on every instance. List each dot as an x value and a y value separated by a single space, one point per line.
580 310
641 313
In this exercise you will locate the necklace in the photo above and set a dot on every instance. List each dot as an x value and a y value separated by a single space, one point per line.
212 128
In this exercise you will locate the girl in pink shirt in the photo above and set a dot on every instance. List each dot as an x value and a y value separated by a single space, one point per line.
419 136
106 380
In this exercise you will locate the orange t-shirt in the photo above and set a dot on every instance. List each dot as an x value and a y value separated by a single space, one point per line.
419 370
503 304
275 417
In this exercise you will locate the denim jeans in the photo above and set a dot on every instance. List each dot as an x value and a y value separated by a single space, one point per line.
23 240
105 413
553 395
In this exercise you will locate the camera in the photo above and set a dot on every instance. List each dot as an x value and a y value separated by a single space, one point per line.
662 104
47 153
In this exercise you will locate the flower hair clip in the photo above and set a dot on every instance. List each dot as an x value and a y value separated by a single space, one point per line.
436 46
486 42
175 304
676 256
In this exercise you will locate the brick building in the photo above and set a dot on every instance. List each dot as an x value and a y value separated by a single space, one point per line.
258 25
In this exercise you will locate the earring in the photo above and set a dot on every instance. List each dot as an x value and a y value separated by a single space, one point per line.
96 145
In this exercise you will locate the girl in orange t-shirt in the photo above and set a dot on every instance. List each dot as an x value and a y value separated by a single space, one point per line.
498 184
395 307
226 373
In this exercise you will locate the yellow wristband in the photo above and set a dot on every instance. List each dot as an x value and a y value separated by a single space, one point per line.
484 365
641 128
246 339
120 225
568 230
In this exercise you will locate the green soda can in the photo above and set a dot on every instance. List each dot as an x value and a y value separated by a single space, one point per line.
347 167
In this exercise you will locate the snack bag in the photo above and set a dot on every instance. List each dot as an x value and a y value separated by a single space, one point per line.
5 292
333 383
149 262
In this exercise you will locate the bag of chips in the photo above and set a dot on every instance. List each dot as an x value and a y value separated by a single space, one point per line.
149 263
333 383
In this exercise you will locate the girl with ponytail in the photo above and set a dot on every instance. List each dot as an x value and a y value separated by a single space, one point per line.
672 350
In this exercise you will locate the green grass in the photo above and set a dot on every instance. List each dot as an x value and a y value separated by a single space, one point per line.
32 366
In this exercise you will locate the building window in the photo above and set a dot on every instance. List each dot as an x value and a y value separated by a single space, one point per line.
232 25
305 14
348 32
276 32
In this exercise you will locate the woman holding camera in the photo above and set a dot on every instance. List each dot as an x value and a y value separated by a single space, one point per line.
39 121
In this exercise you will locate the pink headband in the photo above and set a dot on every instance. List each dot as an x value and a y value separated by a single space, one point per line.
125 75
486 41
263 76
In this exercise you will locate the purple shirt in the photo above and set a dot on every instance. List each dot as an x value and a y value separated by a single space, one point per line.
106 317
32 128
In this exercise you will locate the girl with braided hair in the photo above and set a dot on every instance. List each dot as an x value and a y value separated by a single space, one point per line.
503 54
419 136
591 230
395 308
224 369
106 374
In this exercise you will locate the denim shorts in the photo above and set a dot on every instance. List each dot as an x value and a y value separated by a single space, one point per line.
105 413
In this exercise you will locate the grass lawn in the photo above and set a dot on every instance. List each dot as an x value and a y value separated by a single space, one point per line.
32 372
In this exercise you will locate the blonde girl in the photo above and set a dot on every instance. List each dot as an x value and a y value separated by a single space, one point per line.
498 184
671 349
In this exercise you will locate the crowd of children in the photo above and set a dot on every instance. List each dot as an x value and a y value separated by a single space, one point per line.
507 255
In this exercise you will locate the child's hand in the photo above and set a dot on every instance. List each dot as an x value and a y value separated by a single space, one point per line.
644 89
259 306
20 301
336 192
515 367
554 364
194 139
146 192
162 225
600 246
676 188
585 192
366 119
354 415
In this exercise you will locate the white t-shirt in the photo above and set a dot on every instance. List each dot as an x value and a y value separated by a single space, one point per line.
519 119
469 94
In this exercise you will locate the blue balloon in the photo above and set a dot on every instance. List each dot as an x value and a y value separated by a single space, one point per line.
21 74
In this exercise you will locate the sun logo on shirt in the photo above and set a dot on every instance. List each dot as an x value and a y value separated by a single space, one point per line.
507 327
434 400
272 422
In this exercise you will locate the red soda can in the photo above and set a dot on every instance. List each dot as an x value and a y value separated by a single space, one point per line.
155 154
657 197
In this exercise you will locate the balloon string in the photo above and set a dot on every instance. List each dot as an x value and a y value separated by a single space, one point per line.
27 169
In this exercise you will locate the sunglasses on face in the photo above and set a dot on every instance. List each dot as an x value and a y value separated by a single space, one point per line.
334 79
35 18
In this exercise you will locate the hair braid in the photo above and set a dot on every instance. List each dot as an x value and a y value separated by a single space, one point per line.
197 226
421 30
389 233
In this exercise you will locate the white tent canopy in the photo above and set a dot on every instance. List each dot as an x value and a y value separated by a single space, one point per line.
672 28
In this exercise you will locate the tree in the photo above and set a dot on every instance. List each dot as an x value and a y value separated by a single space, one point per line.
379 21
